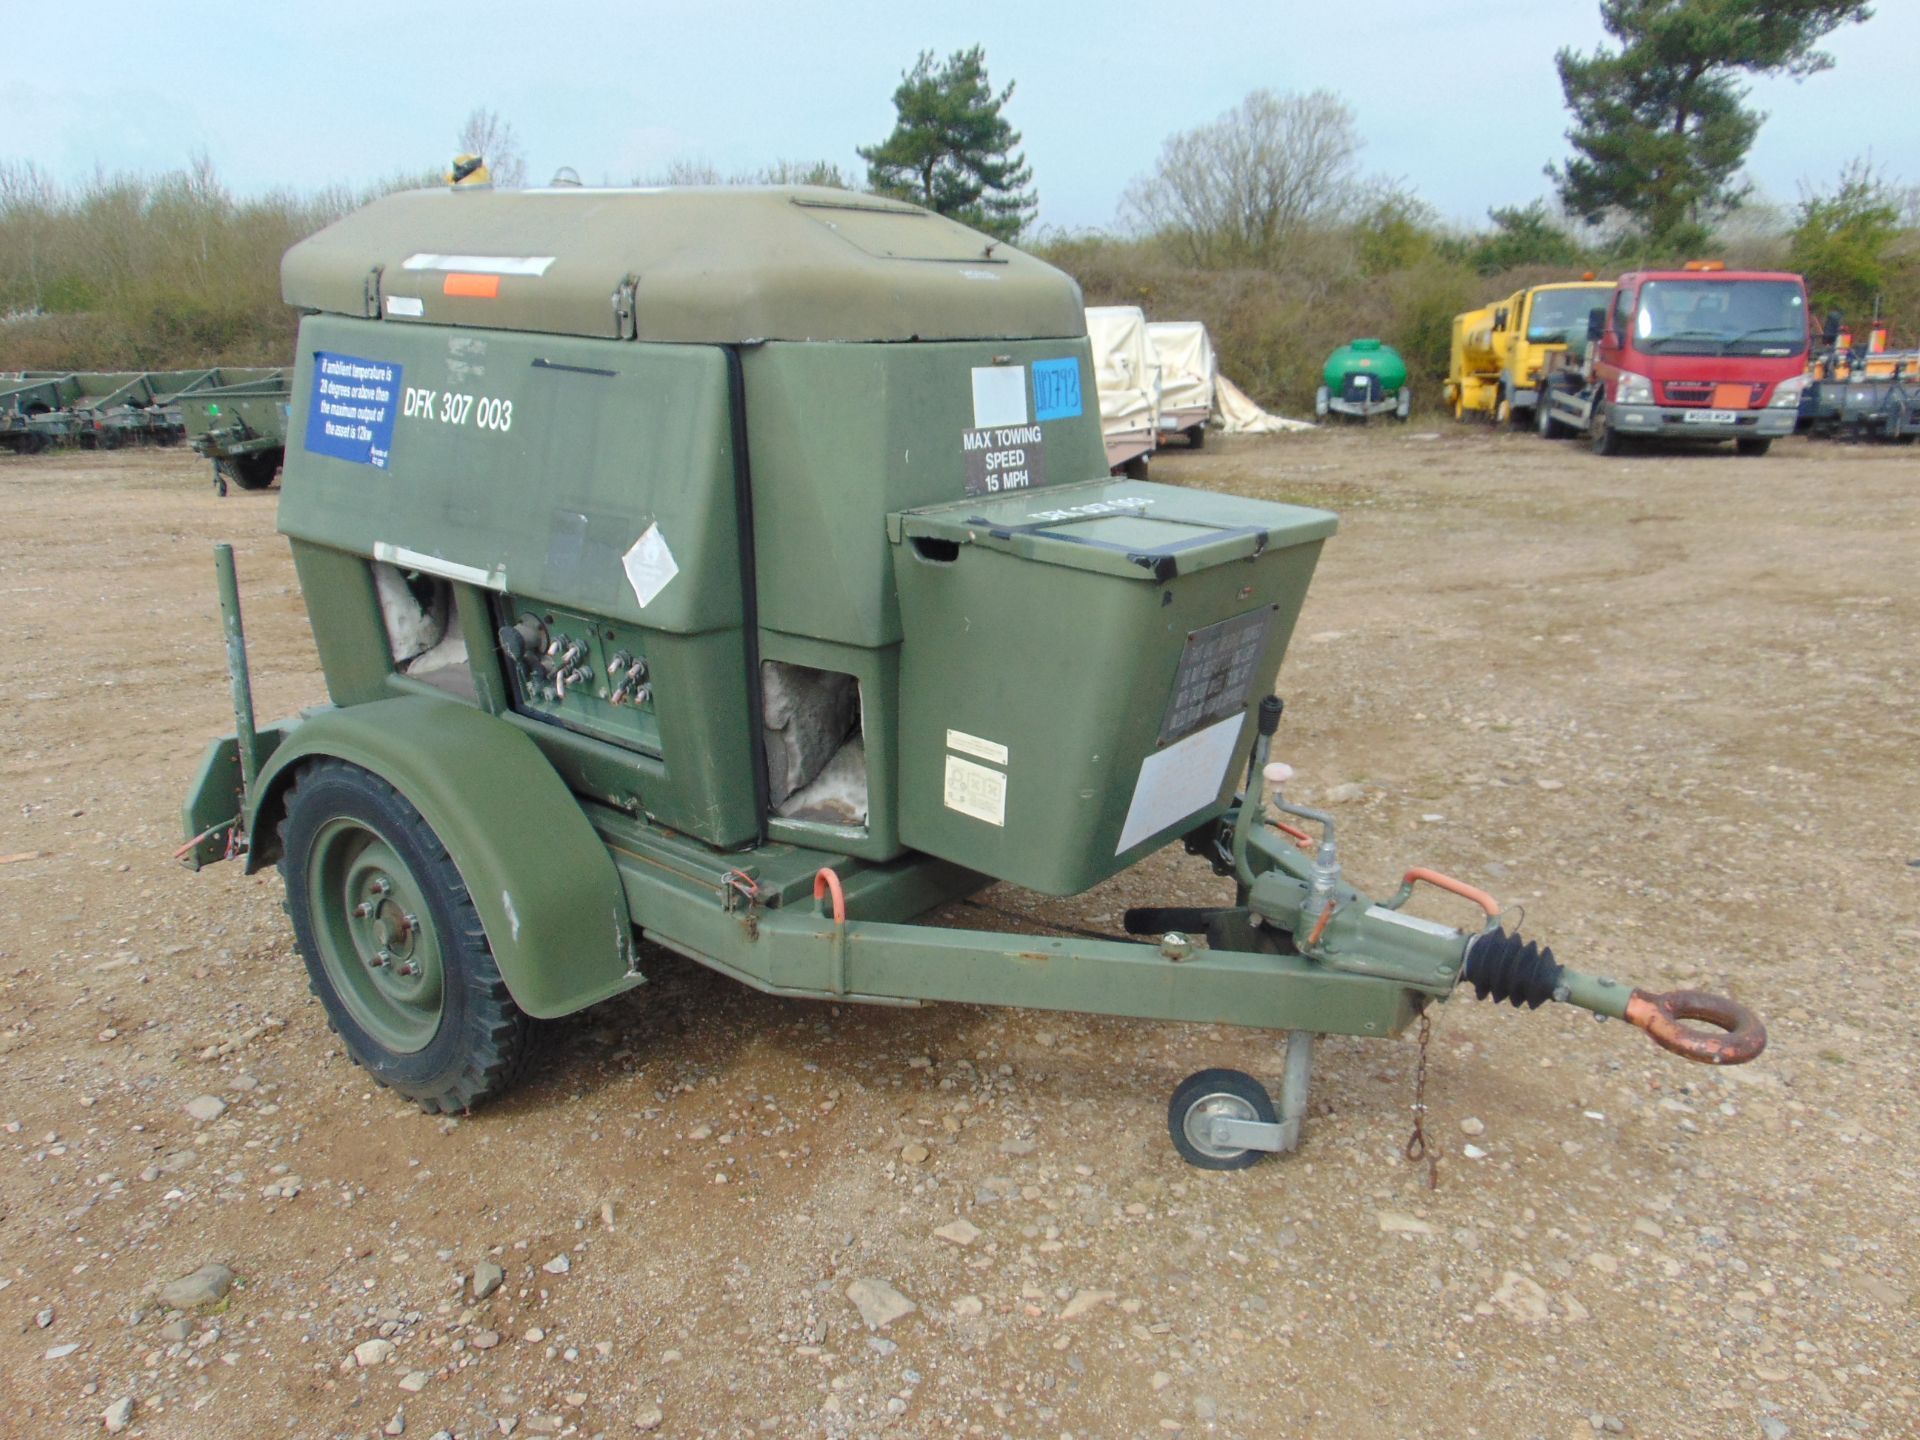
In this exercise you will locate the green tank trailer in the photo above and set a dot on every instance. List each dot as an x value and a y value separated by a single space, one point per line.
738 573
1361 379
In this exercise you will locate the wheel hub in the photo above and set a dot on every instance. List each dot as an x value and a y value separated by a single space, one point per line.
1204 1111
375 937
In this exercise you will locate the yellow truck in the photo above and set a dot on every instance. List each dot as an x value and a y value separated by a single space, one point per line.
1501 351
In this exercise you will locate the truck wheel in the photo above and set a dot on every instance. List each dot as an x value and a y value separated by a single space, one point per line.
1136 468
1197 438
1502 409
1544 424
1205 1095
1606 439
393 945
1755 448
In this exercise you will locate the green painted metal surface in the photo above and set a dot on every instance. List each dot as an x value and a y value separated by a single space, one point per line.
552 904
733 265
1112 593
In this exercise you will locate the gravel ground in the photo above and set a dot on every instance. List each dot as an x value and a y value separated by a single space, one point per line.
1666 703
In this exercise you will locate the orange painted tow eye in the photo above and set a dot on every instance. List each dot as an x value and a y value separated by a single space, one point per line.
1660 1017
825 883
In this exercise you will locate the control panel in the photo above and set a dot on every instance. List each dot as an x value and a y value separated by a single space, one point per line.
578 671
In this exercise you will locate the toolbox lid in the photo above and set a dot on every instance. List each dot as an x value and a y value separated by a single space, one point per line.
1131 529
716 265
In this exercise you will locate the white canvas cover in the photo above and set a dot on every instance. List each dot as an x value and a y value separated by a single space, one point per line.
1184 352
1123 368
1235 414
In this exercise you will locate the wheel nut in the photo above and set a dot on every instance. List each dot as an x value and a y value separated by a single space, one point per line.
363 910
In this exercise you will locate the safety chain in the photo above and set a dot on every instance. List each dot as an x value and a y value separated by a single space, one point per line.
1417 1147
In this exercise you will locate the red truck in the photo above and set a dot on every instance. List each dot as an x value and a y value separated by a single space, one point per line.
1701 354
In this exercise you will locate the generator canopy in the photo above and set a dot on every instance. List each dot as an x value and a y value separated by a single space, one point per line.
697 265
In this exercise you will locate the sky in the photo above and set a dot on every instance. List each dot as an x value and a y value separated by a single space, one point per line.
1461 102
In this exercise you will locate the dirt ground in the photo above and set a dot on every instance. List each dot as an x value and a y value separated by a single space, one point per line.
1669 704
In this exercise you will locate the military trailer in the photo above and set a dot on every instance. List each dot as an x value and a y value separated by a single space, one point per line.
1126 376
1183 351
737 573
241 426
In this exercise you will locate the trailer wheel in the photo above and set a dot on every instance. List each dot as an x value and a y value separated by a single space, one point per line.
250 472
1403 405
1755 447
1209 1094
1197 437
1320 403
393 945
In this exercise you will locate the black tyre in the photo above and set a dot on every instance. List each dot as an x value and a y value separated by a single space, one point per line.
1197 438
1543 422
1606 439
1755 447
250 472
1231 1094
394 948
1136 468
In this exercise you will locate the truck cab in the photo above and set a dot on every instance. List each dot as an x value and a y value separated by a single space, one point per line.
1702 353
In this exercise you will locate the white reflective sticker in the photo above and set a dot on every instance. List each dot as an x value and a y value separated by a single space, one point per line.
999 395
410 305
433 565
481 264
1410 922
977 791
973 745
649 565
1179 780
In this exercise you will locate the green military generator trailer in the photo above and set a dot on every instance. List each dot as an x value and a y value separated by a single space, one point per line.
738 572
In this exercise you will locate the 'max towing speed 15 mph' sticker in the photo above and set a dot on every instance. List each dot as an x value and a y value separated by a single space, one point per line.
1006 448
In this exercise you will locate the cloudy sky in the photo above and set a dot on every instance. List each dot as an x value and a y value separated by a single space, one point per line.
1459 100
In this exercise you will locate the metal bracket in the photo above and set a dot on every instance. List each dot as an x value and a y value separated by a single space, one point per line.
370 293
626 308
1228 1133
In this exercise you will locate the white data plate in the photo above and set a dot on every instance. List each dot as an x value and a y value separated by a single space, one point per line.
1179 780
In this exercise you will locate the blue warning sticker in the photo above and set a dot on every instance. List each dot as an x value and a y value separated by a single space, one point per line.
1056 389
350 414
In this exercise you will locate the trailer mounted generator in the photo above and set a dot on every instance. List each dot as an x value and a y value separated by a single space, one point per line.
738 573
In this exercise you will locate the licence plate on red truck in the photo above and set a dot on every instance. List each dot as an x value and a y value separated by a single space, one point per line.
1709 417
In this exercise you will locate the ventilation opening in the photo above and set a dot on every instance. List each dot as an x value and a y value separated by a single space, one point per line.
816 752
422 617
932 547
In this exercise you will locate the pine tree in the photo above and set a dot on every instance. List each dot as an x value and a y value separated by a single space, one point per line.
1659 130
952 149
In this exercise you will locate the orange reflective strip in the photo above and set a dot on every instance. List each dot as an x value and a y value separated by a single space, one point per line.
474 287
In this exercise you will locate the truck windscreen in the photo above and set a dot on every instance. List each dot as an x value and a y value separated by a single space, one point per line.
1721 317
1559 317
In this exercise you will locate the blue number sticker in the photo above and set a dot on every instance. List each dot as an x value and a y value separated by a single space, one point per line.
1056 389
350 413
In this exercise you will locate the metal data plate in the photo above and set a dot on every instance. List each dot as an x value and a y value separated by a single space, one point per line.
1216 673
